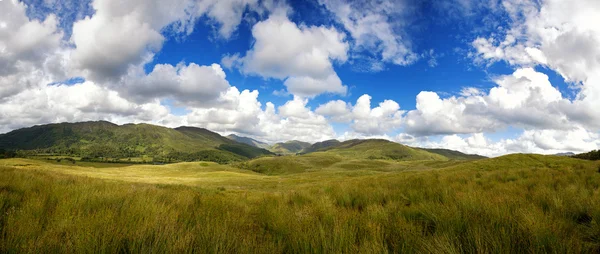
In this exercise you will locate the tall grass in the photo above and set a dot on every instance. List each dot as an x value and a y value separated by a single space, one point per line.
553 207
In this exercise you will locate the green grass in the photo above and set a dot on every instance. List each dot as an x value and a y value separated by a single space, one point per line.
379 149
511 204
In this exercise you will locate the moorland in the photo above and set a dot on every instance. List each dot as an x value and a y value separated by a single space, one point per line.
100 187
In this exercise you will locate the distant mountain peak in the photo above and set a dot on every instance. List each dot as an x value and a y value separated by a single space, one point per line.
248 141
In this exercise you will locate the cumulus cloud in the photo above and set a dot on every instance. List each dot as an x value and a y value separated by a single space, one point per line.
375 26
191 84
122 34
119 35
365 121
560 35
79 102
302 55
246 116
26 47
575 140
524 99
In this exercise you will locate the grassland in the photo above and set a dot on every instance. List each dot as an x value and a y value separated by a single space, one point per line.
373 149
511 204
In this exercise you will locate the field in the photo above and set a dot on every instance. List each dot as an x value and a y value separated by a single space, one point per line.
315 203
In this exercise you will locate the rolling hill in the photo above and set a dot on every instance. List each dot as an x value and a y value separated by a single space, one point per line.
373 149
248 141
453 155
104 139
321 146
289 147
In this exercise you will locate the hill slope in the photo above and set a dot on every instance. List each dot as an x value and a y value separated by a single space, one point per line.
248 141
105 139
321 146
375 149
289 147
453 155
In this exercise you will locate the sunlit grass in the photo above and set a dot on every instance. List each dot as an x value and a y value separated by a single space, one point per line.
512 204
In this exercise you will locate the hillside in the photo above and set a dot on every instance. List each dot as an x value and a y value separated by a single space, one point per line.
289 147
248 141
453 155
321 146
107 140
374 149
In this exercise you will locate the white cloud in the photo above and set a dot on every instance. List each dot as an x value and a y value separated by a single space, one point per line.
79 102
191 84
561 35
376 27
307 86
245 116
120 35
338 110
365 121
575 140
300 55
524 99
228 13
25 49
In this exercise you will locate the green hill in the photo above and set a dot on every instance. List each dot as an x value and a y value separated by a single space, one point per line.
289 147
248 141
375 149
321 146
107 140
453 155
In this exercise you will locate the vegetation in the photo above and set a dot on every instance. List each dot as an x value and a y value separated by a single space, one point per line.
321 146
511 204
593 155
289 147
7 154
104 141
248 141
454 155
375 149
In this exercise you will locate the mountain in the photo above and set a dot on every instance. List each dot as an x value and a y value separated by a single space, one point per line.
374 149
453 155
107 140
321 146
289 147
248 141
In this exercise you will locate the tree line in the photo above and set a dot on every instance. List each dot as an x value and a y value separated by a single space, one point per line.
593 155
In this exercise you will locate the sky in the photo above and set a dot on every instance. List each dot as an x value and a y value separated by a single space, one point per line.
489 77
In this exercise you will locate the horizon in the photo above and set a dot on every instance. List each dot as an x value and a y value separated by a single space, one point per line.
493 78
271 144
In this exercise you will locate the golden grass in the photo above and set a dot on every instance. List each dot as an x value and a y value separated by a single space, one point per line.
512 204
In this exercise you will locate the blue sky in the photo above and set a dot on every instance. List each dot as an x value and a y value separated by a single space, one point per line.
476 76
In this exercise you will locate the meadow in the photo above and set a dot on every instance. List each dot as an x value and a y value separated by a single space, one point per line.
315 203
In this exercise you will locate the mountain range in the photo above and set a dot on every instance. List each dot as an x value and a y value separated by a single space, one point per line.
103 140
107 140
